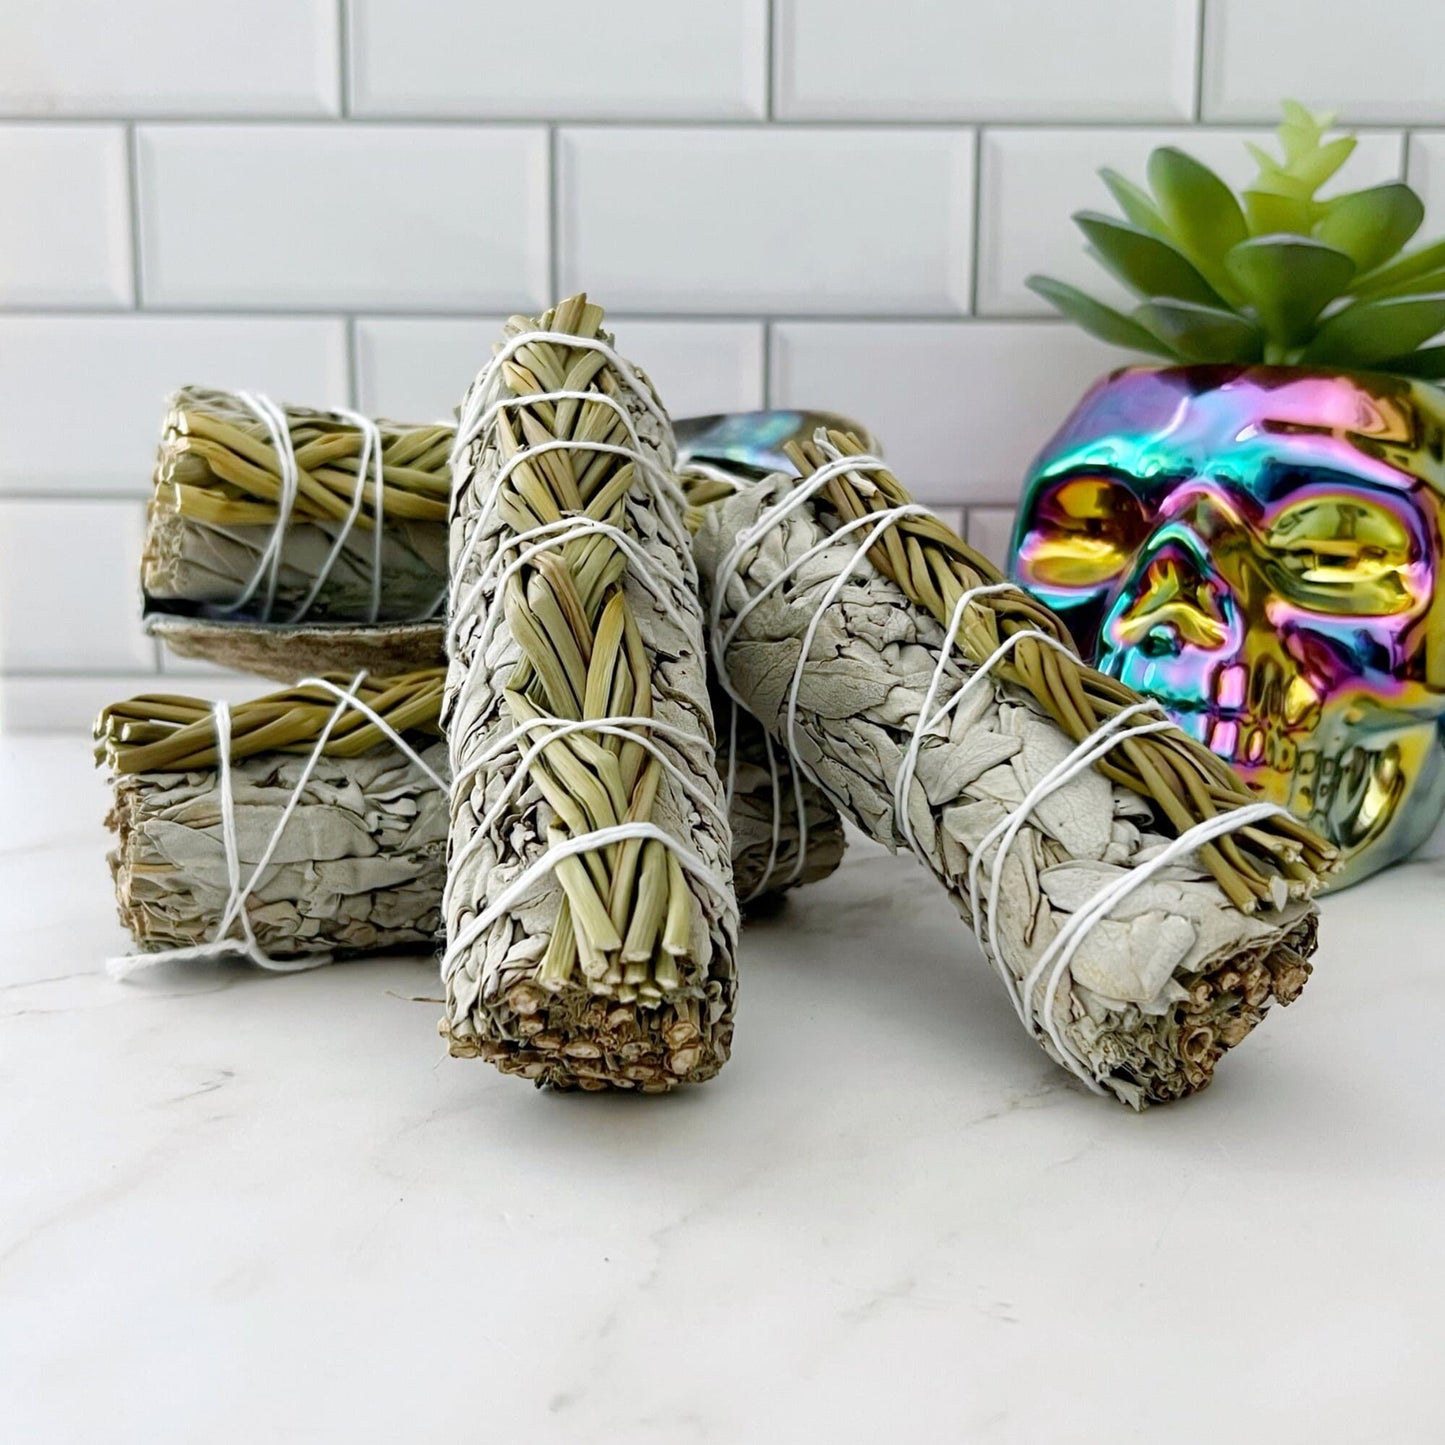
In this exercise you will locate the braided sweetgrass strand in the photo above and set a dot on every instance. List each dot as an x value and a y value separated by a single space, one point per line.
616 968
219 493
1121 956
1182 779
167 733
217 463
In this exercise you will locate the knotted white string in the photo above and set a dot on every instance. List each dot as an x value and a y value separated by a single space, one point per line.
1066 942
235 910
706 470
371 444
661 483
486 400
268 564
620 726
556 534
490 393
1088 751
1057 957
559 852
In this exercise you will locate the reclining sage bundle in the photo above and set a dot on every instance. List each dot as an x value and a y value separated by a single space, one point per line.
1141 911
357 863
590 914
285 541
301 826
324 520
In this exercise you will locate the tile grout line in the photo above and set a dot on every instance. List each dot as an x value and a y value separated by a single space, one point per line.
975 222
360 122
274 312
554 223
767 363
770 54
353 363
1200 33
343 57
132 168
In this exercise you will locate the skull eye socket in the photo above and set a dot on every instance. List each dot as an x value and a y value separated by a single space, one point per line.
1083 531
1341 555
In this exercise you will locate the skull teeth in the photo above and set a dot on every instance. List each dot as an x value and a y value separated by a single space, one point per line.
1229 686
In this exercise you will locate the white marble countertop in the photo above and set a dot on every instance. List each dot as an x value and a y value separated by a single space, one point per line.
254 1209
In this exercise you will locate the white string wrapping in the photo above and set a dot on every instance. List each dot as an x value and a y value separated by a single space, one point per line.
268 561
1057 956
268 564
235 912
371 443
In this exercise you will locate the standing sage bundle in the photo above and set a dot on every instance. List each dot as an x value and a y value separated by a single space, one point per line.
1141 910
298 827
590 915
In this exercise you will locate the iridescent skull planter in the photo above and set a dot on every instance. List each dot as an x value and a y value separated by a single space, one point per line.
1260 548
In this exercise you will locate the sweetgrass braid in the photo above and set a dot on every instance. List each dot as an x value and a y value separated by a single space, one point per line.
617 967
1183 781
161 733
217 494
1124 958
360 862
168 733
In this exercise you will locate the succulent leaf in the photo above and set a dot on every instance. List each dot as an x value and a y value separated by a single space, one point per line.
1302 130
1372 225
1407 271
1135 202
1289 280
1369 332
1146 264
1314 170
1277 273
1428 364
1201 211
1269 213
1096 318
1202 333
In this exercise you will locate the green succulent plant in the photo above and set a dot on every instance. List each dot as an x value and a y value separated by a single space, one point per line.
1276 274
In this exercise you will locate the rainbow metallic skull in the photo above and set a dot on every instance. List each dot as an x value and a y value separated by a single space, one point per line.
1260 549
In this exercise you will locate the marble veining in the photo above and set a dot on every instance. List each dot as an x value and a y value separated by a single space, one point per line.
241 1208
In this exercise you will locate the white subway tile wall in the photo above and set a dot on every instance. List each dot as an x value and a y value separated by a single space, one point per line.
818 202
306 217
1375 62
960 407
186 58
1026 60
67 243
770 219
417 369
563 60
82 398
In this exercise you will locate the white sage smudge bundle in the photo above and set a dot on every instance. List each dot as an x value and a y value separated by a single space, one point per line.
590 915
1140 909
357 862
299 827
319 521
785 832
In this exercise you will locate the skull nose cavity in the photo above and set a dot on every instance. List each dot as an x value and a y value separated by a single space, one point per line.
1163 639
